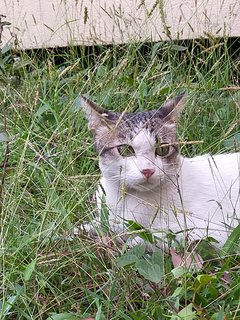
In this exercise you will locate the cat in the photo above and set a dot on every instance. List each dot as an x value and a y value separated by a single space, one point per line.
145 179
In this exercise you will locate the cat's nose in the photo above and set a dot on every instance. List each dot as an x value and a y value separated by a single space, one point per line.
148 172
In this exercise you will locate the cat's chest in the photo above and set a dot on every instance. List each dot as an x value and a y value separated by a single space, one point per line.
143 207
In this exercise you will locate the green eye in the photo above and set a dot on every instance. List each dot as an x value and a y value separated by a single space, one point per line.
162 149
125 150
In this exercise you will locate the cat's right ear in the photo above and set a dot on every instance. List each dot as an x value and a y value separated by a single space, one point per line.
96 115
172 109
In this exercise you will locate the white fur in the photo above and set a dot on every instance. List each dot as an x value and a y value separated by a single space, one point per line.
199 196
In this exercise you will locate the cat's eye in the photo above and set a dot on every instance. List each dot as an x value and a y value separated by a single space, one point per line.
125 150
162 149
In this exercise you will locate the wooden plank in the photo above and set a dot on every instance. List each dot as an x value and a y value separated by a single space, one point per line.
51 23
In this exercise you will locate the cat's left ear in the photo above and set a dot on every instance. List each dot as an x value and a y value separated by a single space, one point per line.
96 115
172 109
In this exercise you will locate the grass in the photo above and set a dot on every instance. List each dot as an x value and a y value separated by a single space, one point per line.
49 173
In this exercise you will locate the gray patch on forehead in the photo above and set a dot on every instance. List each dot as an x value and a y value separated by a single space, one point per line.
141 116
135 118
149 120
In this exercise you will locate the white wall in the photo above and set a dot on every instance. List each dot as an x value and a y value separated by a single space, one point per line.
50 23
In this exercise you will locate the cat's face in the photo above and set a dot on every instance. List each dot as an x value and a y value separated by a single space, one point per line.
137 150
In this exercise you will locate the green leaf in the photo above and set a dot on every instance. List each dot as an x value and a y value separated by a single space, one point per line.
139 315
164 90
158 258
99 314
138 250
177 292
152 272
76 105
42 110
233 240
4 23
102 71
7 47
30 268
187 313
143 89
219 315
121 315
155 49
144 234
179 271
142 267
233 141
178 48
62 316
126 260
204 279
21 64
7 305
46 109
155 273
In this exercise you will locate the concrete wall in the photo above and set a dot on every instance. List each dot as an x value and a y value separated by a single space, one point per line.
50 23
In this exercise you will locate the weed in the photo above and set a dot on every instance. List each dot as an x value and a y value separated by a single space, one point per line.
49 174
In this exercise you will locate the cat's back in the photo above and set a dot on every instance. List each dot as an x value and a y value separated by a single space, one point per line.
225 165
211 179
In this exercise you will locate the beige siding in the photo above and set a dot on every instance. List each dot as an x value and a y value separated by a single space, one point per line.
50 23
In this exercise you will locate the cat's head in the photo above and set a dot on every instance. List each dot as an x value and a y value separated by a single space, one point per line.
137 150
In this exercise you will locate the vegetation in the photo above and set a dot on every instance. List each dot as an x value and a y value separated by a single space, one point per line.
49 172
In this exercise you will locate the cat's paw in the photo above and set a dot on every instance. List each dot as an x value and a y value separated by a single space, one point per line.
90 228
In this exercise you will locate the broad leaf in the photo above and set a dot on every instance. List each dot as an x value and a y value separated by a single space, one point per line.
151 272
231 243
158 258
185 314
155 273
29 270
126 260
179 271
142 267
143 233
138 250
7 47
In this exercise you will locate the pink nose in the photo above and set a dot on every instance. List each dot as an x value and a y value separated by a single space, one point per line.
148 172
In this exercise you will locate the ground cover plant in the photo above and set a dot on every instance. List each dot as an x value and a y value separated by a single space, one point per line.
50 270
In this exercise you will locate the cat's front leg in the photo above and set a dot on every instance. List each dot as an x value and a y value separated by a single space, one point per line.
92 227
110 220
